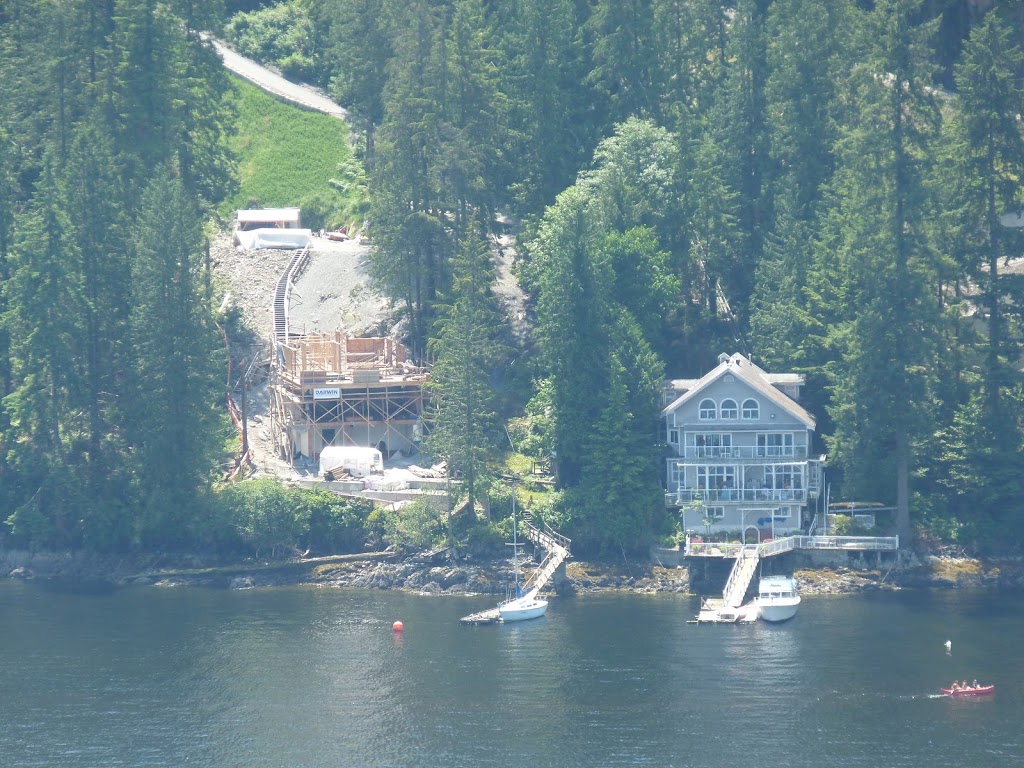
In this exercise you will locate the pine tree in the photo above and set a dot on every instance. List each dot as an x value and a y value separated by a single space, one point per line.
551 124
986 151
360 47
176 427
875 253
43 319
464 426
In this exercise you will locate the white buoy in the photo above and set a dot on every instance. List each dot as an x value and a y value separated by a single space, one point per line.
949 646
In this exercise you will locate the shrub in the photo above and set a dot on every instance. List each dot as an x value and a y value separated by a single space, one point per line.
336 524
416 525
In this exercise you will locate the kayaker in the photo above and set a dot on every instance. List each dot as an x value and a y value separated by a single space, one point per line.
955 686
975 684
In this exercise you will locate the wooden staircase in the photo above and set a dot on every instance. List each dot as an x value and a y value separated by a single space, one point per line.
743 571
557 552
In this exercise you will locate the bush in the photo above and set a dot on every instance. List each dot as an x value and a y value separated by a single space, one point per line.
416 525
336 525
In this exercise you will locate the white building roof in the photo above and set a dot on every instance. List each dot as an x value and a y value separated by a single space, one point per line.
754 377
276 215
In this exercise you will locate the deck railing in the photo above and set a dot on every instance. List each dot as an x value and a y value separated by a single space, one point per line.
797 452
789 543
687 495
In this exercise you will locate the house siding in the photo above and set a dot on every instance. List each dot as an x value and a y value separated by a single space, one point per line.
746 467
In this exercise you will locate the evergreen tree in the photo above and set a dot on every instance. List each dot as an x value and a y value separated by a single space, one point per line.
572 321
619 491
885 329
177 429
551 124
412 237
986 151
43 314
464 427
360 48
624 56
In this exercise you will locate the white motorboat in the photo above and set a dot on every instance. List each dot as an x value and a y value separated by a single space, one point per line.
529 606
777 598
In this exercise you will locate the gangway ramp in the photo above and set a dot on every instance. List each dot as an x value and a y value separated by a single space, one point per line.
557 551
743 571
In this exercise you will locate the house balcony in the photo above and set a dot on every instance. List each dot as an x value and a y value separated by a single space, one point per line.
775 453
718 495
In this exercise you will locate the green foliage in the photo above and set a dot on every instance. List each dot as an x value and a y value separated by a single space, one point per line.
336 524
269 518
416 525
287 155
463 425
279 36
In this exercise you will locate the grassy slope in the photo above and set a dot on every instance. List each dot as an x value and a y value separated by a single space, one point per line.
287 155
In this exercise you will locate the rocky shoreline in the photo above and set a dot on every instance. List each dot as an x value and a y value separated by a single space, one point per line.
440 573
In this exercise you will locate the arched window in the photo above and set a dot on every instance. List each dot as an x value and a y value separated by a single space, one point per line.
751 409
707 410
729 410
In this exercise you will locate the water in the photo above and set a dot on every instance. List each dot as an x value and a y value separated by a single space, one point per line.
315 677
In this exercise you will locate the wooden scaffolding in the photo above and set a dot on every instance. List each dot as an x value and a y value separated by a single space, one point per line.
331 389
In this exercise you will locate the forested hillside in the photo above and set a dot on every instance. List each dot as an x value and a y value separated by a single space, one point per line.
816 183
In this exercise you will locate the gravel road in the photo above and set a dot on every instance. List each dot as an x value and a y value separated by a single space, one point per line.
271 82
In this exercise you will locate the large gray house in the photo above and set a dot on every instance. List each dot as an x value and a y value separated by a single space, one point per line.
740 444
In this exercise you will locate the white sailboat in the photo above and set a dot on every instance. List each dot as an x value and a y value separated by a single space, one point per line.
525 605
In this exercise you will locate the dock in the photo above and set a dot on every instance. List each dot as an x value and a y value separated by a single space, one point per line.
715 611
557 551
490 616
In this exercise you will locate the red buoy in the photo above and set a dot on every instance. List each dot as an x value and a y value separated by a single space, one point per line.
398 626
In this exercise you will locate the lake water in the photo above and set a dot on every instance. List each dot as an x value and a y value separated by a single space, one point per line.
316 677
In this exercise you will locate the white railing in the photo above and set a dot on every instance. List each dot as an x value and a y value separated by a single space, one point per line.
686 495
869 543
788 543
740 576
744 452
777 546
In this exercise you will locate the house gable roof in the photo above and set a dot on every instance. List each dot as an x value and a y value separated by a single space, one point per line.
752 376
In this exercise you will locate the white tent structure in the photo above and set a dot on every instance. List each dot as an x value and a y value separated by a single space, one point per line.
271 228
355 460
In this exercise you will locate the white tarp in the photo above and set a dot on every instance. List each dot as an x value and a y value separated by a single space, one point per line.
352 459
273 237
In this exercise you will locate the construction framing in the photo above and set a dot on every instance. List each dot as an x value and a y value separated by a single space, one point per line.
330 389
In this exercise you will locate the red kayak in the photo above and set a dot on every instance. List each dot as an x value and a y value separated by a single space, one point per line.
980 690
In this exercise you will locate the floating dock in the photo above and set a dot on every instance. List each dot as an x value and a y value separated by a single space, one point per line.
715 611
490 616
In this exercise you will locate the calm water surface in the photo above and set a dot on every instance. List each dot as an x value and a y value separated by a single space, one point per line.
315 677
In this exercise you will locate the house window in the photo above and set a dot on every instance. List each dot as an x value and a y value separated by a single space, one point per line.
729 410
673 436
720 482
713 445
751 409
783 477
775 444
707 410
714 513
783 513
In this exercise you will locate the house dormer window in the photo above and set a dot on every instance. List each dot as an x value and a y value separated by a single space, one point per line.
707 411
729 409
751 409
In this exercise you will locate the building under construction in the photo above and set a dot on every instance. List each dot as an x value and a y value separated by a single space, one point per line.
330 389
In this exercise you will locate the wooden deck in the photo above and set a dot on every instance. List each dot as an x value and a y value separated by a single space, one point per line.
490 616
